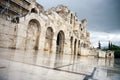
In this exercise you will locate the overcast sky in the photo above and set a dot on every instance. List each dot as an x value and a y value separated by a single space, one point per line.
103 17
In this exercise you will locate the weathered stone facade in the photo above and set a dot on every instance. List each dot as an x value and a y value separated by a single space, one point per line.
26 25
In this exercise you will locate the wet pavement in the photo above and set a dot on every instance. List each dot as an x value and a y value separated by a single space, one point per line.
37 65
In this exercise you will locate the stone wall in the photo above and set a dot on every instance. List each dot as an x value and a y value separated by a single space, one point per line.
57 30
110 54
8 32
44 22
102 54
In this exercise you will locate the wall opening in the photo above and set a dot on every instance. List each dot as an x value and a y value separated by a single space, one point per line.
60 43
75 43
59 48
33 10
49 39
71 18
32 35
79 48
71 44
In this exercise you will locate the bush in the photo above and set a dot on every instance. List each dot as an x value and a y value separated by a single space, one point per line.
117 53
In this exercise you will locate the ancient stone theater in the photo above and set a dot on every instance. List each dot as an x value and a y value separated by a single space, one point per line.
25 25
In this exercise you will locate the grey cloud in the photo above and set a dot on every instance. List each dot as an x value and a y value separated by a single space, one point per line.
102 15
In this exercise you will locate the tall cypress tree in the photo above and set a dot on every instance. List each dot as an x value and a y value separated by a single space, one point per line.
109 45
99 45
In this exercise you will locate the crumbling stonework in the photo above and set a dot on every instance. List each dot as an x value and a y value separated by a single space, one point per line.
57 30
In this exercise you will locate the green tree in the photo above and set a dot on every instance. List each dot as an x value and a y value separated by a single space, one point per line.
99 45
114 48
109 45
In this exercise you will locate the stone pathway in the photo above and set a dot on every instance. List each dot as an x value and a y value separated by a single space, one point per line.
32 65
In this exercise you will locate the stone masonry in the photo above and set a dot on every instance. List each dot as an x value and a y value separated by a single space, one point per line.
26 25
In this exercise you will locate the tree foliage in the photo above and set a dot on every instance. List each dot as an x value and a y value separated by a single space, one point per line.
114 48
99 45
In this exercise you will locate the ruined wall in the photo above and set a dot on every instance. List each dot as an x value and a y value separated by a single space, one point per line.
8 32
110 54
52 21
85 52
56 30
102 54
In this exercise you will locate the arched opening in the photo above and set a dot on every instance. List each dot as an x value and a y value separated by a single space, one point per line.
59 48
32 35
48 39
79 47
75 43
82 45
71 44
109 54
33 10
71 18
15 20
60 42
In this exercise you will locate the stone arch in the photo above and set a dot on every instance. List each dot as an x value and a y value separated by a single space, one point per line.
60 42
71 44
79 44
34 10
32 35
75 46
82 44
79 48
49 39
71 16
59 48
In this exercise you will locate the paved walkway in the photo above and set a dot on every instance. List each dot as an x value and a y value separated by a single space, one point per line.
36 65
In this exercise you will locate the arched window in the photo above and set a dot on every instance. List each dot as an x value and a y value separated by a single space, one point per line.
71 18
32 35
48 39
33 10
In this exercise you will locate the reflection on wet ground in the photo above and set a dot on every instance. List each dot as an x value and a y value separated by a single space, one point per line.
37 65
